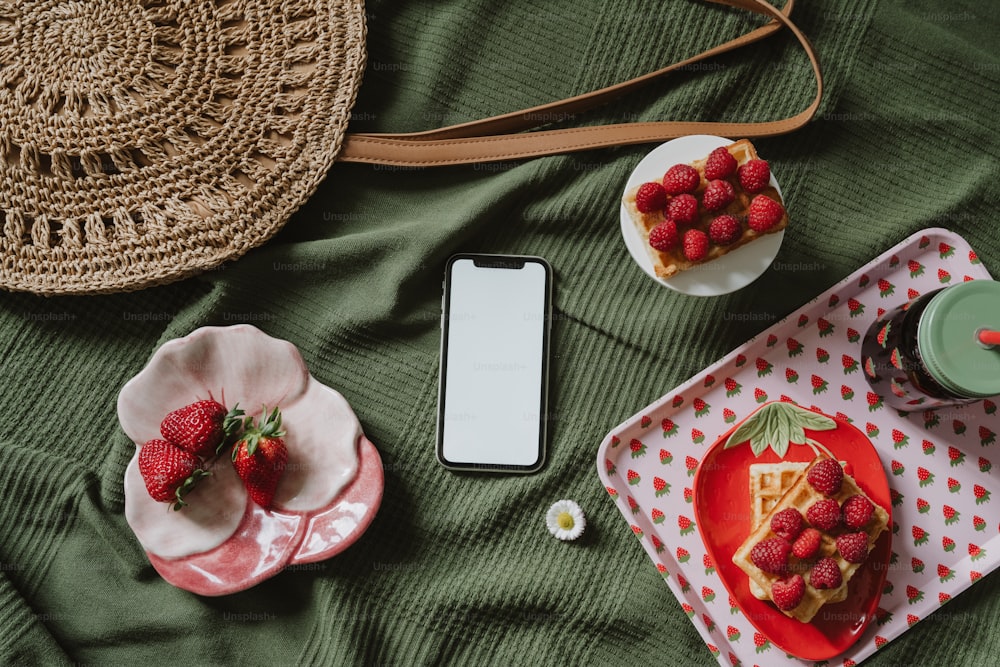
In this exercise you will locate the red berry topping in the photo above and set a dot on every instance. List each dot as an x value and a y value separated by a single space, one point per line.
787 523
720 164
695 245
681 178
724 230
807 544
824 514
857 511
683 209
764 213
650 197
754 175
771 555
663 237
826 476
853 547
788 593
718 194
826 574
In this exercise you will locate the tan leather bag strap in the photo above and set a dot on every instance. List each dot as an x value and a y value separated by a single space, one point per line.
502 137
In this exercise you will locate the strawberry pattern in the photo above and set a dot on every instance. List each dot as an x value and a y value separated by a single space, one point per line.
937 462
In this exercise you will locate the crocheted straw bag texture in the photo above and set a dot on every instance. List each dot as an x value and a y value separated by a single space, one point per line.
142 141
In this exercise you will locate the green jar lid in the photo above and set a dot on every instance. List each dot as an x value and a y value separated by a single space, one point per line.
948 342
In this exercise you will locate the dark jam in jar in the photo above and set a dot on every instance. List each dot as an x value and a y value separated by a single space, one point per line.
924 354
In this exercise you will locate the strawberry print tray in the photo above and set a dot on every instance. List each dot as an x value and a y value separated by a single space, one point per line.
938 462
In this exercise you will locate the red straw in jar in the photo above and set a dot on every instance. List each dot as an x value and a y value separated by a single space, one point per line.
989 337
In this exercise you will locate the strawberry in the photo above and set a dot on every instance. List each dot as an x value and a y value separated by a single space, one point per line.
688 494
807 543
989 407
973 257
709 381
945 250
899 439
610 467
645 421
707 594
754 176
709 623
611 491
707 562
732 387
925 476
658 545
728 415
772 340
945 573
669 427
822 356
880 641
824 514
650 197
943 597
894 261
947 544
864 280
917 565
897 467
685 524
914 594
943 276
911 619
701 408
688 609
787 524
979 523
911 294
633 477
849 363
764 213
956 456
853 547
984 464
794 347
202 427
846 392
826 476
951 515
885 288
788 593
660 486
763 367
920 536
871 429
803 320
169 471
657 516
825 574
874 401
853 336
637 531
857 511
976 552
697 437
986 436
981 493
662 569
958 426
695 245
633 505
683 209
691 463
684 583
260 456
732 634
825 327
954 485
915 267
759 395
681 178
791 375
677 401
923 506
664 236
637 447
771 555
724 229
818 384
666 457
720 164
761 642
718 195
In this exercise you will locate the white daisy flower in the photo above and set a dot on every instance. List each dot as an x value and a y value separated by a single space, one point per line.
565 520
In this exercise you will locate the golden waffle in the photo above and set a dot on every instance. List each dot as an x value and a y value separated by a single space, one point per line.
768 483
669 263
801 495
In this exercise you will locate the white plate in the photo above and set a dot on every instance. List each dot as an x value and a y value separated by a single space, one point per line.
727 274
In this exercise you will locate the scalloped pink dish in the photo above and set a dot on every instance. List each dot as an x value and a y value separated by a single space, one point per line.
222 542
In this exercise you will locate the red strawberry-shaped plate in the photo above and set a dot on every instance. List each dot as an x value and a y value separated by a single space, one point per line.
723 516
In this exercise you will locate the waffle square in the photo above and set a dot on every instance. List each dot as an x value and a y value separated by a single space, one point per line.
801 495
669 263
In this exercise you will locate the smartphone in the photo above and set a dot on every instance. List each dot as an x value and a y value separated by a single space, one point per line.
495 328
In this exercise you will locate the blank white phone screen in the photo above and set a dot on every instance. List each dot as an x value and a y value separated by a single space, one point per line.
494 353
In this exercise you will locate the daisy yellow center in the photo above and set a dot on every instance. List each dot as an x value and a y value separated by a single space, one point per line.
565 520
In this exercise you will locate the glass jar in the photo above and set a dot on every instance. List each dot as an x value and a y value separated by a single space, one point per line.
940 349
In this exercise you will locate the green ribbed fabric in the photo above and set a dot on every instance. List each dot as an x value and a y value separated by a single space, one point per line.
456 568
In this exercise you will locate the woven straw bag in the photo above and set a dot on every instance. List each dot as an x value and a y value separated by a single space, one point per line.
143 142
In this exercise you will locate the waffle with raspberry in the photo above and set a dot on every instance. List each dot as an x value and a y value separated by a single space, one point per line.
802 495
687 239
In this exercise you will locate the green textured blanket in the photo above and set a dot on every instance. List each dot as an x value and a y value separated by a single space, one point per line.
460 568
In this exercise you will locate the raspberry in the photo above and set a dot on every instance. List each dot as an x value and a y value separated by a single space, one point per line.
724 230
853 547
826 574
808 543
754 175
663 237
824 514
720 164
787 523
826 476
650 197
771 555
717 195
764 213
683 209
681 178
695 245
788 593
857 511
